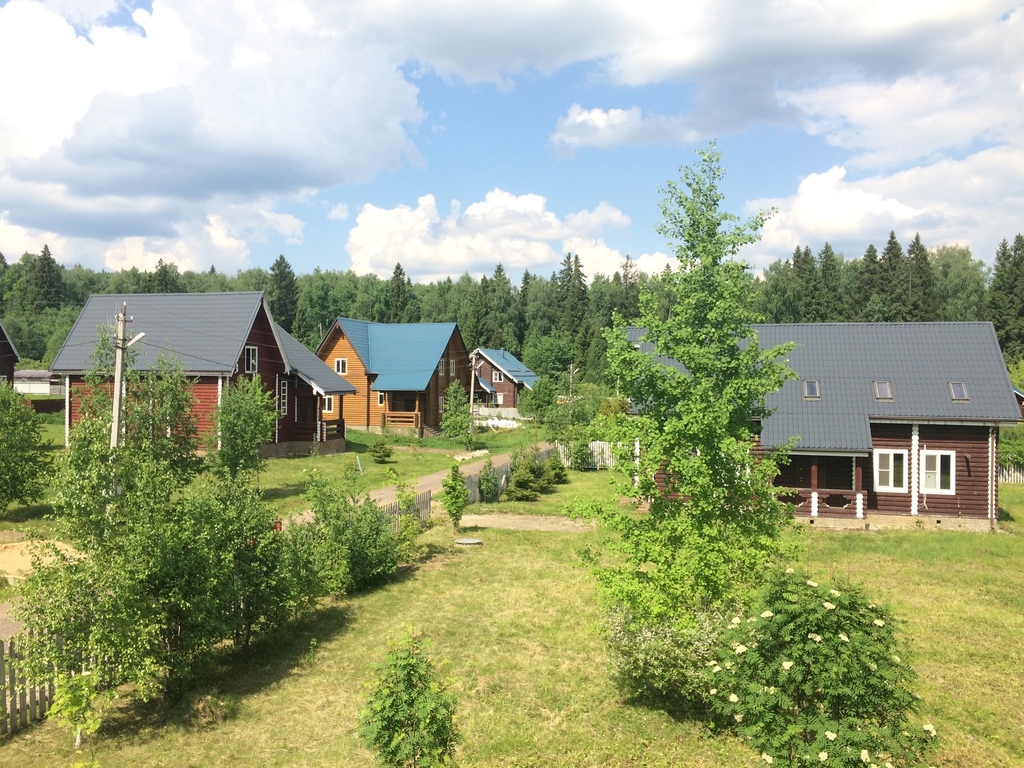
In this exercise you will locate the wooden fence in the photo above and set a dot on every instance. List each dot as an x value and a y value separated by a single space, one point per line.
422 506
1012 474
22 704
601 456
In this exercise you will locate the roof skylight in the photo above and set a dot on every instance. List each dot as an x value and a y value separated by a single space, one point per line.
883 390
958 390
812 389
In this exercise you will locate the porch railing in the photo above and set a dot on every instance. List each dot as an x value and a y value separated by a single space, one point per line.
403 419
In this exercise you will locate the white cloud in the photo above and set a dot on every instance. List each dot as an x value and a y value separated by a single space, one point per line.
606 128
975 201
517 231
338 212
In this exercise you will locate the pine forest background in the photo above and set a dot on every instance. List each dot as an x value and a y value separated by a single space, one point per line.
553 323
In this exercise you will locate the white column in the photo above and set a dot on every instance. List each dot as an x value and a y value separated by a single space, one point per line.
220 400
814 503
914 462
277 407
67 411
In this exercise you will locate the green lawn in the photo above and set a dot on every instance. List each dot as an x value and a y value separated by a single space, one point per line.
518 624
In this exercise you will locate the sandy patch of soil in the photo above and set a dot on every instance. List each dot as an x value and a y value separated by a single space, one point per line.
525 522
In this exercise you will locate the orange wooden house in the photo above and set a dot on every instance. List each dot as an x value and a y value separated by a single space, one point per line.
400 371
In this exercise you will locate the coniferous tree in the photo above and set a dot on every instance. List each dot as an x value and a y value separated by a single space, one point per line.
870 306
922 302
895 278
283 293
1005 305
830 305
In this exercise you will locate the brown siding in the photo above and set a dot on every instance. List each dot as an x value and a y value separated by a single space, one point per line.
361 409
507 388
970 475
896 437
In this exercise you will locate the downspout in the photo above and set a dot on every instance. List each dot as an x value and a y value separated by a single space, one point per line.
220 395
914 457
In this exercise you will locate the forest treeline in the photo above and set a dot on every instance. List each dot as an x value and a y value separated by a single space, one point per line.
551 322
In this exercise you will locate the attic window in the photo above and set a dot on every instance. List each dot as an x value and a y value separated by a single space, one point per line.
883 390
958 390
812 390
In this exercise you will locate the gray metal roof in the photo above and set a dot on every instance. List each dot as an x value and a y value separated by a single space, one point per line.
6 340
919 360
312 368
205 331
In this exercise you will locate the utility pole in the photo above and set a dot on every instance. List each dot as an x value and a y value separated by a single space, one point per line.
472 388
119 346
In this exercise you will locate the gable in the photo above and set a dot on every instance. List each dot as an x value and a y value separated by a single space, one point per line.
508 364
7 348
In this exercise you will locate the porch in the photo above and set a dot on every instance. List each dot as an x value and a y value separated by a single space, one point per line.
825 486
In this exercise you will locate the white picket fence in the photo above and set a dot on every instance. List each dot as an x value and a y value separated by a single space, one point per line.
1013 474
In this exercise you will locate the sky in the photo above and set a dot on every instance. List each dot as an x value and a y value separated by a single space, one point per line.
449 136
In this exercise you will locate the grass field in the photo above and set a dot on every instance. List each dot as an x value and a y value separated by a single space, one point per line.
517 624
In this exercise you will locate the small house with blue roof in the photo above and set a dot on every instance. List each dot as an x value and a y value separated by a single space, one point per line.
889 420
400 371
502 377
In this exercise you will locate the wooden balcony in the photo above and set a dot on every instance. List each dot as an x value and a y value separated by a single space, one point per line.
332 430
402 420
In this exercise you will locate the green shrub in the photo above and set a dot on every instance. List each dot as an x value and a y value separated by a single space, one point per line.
380 450
490 483
530 477
353 537
663 663
408 720
819 676
454 495
556 469
407 543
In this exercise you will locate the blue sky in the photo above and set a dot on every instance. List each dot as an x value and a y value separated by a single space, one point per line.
449 136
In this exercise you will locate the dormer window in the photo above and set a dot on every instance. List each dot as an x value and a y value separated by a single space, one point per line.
958 391
812 389
883 390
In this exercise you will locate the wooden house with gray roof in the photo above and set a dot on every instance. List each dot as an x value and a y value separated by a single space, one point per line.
8 357
502 377
217 338
890 419
400 371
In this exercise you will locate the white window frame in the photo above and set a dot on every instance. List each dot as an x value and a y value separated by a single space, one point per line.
440 367
889 454
451 367
935 474
380 398
497 377
328 403
252 359
499 398
440 404
341 365
282 397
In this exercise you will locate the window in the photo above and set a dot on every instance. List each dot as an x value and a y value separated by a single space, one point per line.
497 377
883 390
958 390
329 404
891 471
380 398
282 401
440 404
499 398
812 391
451 367
341 365
938 470
251 359
440 367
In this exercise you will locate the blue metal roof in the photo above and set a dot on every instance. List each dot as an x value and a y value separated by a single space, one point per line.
919 360
513 369
403 355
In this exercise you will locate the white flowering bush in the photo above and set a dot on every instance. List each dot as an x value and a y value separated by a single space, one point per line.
818 676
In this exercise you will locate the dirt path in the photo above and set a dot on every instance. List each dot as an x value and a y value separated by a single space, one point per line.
525 523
